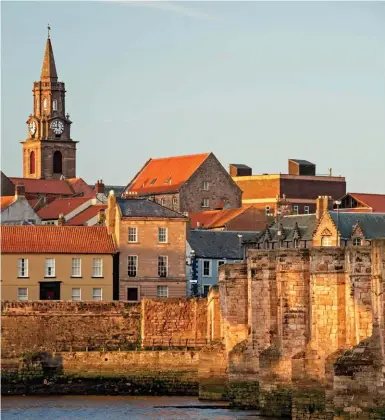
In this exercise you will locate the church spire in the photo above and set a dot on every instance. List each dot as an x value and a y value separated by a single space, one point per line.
48 71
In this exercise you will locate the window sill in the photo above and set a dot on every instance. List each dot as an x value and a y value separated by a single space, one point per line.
50 277
206 277
133 243
97 277
76 277
23 277
163 243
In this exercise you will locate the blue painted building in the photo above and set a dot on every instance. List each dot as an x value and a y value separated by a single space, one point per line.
207 250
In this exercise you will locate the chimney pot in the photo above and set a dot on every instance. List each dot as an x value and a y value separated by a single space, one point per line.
99 187
61 220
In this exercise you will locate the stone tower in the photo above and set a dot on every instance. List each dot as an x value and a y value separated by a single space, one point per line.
49 152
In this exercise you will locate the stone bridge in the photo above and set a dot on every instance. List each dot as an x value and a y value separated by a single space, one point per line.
300 332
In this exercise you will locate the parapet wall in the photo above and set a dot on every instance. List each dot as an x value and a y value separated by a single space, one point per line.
78 326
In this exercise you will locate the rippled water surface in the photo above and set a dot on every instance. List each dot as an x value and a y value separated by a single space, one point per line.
106 408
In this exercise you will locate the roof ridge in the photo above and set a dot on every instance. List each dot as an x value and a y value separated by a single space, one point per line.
358 193
181 156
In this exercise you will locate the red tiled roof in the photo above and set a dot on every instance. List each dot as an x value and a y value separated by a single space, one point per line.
56 239
33 202
44 186
86 215
6 201
61 205
215 218
80 186
375 201
165 174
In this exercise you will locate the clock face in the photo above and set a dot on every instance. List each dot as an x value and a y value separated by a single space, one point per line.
57 126
32 127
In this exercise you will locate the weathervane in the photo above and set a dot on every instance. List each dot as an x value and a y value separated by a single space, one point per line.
49 29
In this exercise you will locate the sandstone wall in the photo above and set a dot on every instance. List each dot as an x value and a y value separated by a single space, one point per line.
70 326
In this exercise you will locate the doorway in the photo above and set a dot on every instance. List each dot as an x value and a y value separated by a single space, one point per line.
50 290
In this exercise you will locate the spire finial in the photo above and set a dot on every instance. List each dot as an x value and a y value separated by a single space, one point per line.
49 30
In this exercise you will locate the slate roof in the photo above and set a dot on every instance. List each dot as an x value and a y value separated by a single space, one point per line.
240 165
372 224
141 207
56 239
165 175
218 244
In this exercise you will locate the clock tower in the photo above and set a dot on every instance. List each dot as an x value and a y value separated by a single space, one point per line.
49 152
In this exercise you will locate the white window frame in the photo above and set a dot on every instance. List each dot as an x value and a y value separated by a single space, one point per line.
54 105
162 201
357 239
323 240
22 297
132 234
94 267
205 185
205 203
52 267
166 265
162 287
96 297
129 265
174 201
74 298
74 267
210 268
267 210
306 209
296 209
22 267
162 236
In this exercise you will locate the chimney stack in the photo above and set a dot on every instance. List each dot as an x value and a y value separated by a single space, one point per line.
99 187
323 204
19 191
101 217
111 211
61 220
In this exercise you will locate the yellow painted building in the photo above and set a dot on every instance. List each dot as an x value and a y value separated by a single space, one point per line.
57 263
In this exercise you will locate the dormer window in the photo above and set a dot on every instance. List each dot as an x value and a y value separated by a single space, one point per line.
153 181
54 105
357 241
168 180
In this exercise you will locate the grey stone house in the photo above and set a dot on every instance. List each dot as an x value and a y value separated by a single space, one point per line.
190 183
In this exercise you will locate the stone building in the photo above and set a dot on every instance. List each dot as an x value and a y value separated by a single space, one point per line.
151 240
301 186
57 263
191 183
49 152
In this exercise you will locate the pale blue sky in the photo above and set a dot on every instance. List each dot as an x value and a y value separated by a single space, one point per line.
253 82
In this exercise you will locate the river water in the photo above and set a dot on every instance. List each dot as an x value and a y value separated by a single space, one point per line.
115 408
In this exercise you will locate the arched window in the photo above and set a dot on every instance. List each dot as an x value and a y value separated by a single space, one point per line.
32 162
57 163
54 105
45 103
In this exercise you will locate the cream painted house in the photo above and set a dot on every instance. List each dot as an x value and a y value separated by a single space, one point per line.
57 263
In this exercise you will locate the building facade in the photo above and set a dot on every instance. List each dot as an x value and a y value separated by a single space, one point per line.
49 152
191 183
151 240
207 250
57 263
301 187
